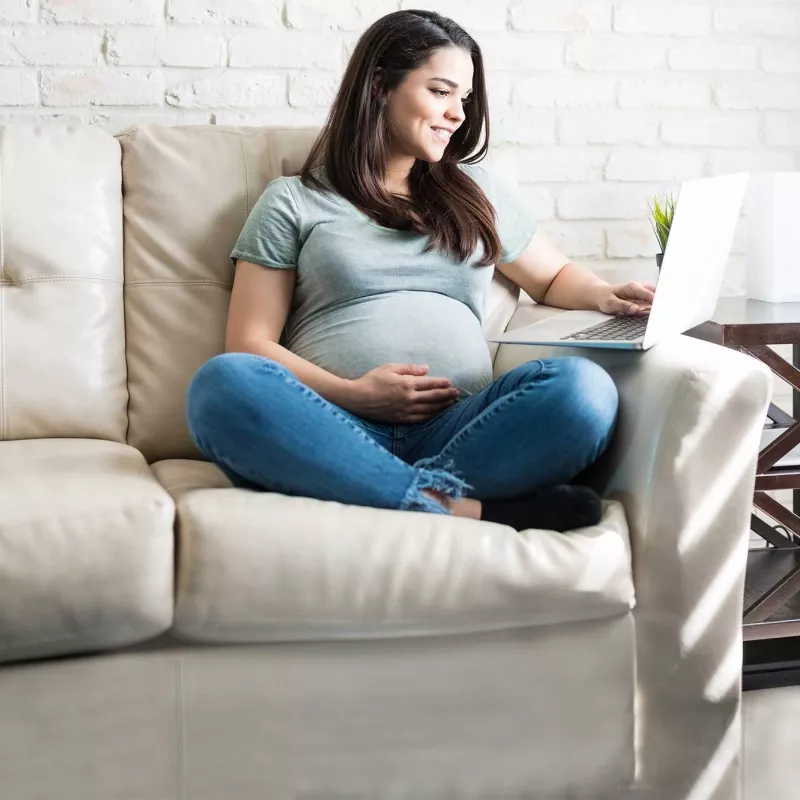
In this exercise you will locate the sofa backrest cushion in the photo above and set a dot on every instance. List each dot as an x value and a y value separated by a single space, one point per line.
62 325
187 193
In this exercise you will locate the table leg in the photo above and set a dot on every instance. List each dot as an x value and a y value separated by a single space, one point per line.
790 438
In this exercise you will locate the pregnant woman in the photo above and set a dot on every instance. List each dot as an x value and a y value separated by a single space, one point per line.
356 369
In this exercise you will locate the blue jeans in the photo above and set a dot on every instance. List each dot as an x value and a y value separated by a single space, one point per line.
540 424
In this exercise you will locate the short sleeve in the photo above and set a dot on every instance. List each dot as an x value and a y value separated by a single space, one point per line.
271 233
515 223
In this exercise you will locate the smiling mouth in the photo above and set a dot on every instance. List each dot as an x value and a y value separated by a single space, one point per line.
441 135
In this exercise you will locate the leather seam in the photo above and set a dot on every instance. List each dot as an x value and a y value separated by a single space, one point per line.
130 511
58 278
178 283
76 637
246 180
620 609
676 407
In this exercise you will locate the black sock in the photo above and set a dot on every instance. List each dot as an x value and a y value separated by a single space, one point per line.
557 508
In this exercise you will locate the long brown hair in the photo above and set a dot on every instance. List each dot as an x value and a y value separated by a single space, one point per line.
353 145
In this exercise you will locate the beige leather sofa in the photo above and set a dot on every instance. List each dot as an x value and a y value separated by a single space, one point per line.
164 635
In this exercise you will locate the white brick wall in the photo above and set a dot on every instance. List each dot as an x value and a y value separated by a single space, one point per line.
599 104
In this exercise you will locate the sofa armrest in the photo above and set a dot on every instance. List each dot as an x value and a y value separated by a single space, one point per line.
682 463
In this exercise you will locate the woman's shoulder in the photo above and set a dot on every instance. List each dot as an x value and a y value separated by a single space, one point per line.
482 175
473 169
306 203
479 173
288 189
290 184
300 191
279 187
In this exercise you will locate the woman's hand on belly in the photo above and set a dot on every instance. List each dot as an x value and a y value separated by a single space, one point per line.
399 394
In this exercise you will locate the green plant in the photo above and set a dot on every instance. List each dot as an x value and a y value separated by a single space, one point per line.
661 219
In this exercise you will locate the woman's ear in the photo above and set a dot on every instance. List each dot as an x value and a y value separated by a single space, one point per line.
378 84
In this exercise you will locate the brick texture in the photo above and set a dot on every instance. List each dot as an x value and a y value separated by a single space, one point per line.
596 104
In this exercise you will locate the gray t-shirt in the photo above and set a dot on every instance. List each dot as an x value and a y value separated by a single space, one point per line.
366 295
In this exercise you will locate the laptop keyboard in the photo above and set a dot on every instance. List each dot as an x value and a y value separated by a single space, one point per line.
624 328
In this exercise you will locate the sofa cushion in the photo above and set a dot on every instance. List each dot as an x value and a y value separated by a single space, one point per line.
62 325
188 191
260 567
86 548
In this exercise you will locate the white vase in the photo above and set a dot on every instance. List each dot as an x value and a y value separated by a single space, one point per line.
772 269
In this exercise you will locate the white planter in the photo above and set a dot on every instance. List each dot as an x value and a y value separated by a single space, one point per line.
773 237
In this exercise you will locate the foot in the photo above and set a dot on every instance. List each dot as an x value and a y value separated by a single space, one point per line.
464 507
557 508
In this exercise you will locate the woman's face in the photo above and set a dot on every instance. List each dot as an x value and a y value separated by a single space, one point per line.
424 102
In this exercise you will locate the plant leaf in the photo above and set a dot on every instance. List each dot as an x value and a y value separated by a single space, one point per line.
661 218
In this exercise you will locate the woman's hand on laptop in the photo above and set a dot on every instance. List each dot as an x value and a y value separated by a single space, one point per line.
626 298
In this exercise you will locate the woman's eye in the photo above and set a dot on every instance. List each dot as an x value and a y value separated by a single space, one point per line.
443 93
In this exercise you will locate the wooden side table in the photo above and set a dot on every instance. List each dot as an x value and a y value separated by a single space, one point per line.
772 594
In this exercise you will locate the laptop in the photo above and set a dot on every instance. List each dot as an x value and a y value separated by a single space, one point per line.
706 214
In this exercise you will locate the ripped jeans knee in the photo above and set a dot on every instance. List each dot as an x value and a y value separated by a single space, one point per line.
438 477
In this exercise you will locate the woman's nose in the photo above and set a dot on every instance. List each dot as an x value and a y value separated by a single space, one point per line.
457 114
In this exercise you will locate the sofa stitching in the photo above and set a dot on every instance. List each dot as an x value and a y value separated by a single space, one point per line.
246 179
91 279
179 283
178 627
618 608
125 359
80 635
59 277
676 407
155 508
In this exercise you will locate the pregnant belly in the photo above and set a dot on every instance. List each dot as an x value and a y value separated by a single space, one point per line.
442 333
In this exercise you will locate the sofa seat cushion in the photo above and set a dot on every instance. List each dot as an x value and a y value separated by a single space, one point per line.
261 566
86 548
